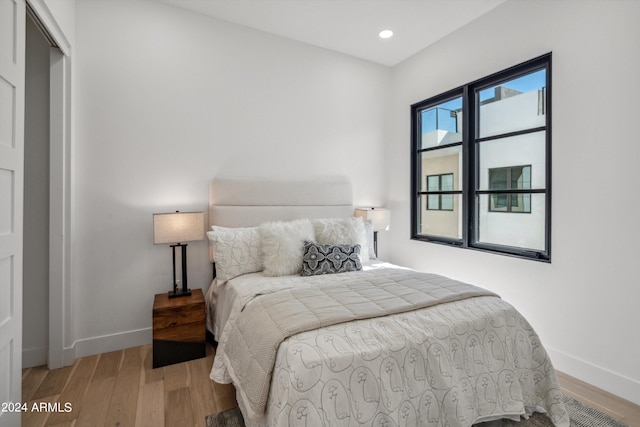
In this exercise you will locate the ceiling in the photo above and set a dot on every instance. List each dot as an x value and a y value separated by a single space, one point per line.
350 26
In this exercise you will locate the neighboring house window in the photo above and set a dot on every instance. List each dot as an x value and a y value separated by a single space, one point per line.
510 178
439 201
480 151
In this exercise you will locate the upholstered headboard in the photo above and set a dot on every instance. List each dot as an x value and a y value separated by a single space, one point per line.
248 202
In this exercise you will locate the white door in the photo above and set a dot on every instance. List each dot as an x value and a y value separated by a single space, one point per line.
12 54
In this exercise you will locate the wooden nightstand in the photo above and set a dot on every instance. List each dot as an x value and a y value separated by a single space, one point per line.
179 328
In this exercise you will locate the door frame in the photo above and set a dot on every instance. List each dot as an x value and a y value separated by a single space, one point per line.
61 348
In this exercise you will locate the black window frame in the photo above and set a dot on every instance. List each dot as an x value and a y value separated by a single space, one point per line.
470 169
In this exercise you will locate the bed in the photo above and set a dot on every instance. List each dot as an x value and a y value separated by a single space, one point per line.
313 330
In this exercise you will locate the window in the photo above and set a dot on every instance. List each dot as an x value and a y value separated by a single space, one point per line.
481 155
437 201
510 178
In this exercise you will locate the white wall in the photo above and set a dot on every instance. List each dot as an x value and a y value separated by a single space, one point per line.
165 101
583 304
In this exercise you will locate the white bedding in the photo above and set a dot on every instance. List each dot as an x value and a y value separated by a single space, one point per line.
453 364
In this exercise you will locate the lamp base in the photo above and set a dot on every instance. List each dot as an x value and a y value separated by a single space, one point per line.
179 293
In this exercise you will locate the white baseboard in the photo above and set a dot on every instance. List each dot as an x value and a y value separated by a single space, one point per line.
68 356
107 343
34 357
612 382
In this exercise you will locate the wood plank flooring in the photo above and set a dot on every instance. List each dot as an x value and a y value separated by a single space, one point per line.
121 389
622 410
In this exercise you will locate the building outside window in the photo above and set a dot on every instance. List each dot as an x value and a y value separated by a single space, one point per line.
482 151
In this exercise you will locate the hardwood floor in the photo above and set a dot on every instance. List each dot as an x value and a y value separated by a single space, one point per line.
121 389
622 410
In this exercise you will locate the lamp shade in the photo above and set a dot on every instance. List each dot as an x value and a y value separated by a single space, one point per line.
380 218
178 227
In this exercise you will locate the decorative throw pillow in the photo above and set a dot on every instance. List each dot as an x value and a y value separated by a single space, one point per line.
343 231
236 251
330 259
282 244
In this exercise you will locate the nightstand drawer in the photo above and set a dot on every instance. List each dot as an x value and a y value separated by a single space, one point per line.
185 323
189 332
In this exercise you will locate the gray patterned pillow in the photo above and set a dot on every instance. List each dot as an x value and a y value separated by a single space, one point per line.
329 259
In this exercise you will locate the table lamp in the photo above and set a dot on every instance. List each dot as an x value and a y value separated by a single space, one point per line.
175 229
380 219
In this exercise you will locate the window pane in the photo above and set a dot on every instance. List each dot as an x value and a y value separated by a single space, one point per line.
433 202
521 203
445 223
498 179
514 105
433 183
446 202
441 124
499 202
521 231
525 151
445 161
521 177
446 182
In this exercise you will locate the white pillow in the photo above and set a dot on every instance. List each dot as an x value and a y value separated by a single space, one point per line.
283 244
343 231
236 251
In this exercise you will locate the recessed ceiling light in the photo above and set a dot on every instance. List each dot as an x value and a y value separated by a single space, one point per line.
385 34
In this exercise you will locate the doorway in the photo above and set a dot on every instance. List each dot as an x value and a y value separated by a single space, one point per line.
35 321
46 197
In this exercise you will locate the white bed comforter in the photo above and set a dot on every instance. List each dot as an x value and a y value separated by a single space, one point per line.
454 364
